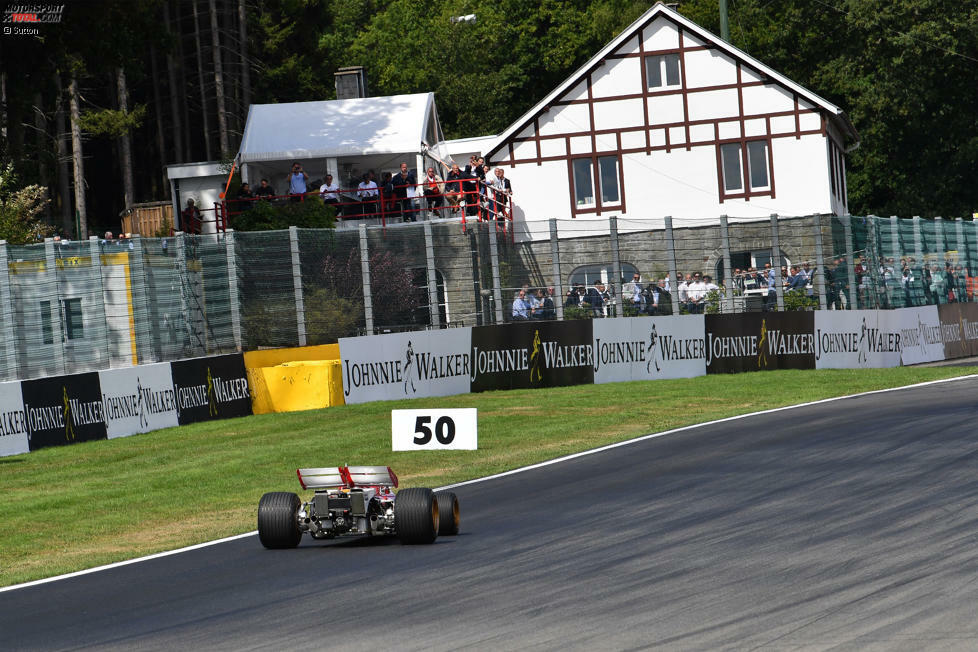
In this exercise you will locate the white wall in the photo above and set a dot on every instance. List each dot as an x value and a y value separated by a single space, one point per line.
679 182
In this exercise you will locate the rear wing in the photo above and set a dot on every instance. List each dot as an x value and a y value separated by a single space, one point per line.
346 477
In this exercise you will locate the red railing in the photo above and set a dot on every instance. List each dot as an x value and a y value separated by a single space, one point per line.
460 199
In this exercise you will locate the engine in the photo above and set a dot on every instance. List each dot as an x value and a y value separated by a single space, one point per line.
356 511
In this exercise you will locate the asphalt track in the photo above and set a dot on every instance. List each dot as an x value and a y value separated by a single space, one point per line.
845 525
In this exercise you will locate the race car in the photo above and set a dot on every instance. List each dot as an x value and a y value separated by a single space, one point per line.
355 501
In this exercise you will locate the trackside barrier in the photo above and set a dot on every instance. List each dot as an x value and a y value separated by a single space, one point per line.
294 386
551 353
62 410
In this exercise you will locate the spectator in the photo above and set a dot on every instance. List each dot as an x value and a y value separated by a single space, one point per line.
769 280
190 218
549 310
502 189
683 289
595 298
633 290
453 188
434 191
109 236
575 296
470 187
264 190
330 192
368 193
521 308
536 303
297 181
387 199
696 295
404 180
245 197
663 304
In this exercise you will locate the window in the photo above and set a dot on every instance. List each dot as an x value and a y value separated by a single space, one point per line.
608 166
732 161
757 162
662 70
73 318
47 334
608 183
732 175
583 184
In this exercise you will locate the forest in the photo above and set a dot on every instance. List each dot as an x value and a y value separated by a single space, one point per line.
99 99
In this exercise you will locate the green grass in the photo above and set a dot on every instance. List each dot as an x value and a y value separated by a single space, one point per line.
66 509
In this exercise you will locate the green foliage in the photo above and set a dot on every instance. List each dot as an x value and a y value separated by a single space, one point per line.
20 208
112 123
578 312
311 213
713 298
330 317
799 300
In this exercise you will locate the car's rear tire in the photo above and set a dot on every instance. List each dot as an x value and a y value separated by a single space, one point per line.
416 515
278 526
448 517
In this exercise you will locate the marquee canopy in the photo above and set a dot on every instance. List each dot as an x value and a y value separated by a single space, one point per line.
394 124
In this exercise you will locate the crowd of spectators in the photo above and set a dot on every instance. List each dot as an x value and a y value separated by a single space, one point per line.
475 190
534 303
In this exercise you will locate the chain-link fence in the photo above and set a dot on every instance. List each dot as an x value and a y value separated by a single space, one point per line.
68 307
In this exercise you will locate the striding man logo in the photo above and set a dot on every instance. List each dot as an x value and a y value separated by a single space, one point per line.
761 352
863 355
211 397
535 359
66 413
140 405
650 351
408 363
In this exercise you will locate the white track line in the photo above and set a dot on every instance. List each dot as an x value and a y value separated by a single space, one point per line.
558 460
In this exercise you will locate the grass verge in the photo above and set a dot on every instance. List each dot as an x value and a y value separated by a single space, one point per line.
66 509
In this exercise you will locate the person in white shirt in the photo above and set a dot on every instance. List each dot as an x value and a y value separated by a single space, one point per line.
330 192
368 193
683 289
633 290
697 294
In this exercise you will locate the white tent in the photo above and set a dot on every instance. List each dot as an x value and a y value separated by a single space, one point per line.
344 137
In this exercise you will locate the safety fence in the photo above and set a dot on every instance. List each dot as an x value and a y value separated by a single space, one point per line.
72 307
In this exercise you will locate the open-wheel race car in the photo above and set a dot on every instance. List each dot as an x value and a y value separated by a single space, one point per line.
355 501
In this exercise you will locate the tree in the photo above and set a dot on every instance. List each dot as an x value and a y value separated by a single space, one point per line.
20 209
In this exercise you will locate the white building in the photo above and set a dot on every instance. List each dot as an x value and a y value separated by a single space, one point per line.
670 120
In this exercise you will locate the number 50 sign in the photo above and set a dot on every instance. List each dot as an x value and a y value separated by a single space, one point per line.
415 430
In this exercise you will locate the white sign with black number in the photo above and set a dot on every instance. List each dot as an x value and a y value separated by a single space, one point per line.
449 430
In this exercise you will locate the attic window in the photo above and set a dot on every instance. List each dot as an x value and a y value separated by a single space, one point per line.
662 71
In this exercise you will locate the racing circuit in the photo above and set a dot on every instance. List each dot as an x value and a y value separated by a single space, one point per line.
846 524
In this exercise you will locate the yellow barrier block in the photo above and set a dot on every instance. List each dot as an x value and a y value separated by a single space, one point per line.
272 357
294 386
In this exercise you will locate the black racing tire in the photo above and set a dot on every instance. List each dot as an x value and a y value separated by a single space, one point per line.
278 526
416 516
447 513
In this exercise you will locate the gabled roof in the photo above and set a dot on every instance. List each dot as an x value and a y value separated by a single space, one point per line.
394 124
662 10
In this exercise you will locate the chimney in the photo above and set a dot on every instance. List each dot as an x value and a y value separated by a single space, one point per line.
351 83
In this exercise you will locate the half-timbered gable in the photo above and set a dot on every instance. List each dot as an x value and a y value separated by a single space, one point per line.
668 119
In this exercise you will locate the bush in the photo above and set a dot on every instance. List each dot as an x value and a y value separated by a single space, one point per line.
799 300
311 213
330 317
